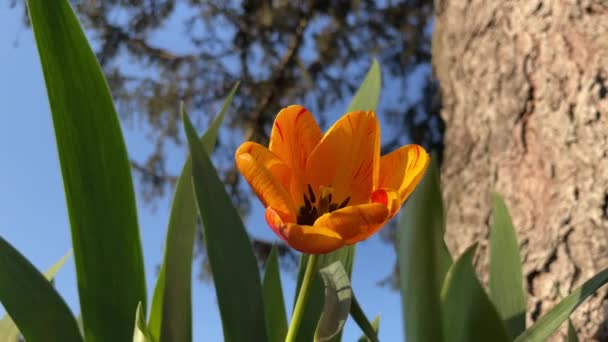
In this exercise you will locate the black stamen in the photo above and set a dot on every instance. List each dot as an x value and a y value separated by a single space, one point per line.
329 198
332 207
311 194
344 203
307 204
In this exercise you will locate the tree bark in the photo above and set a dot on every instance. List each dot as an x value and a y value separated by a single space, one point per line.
525 103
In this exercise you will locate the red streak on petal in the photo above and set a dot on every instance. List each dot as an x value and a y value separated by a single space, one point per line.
417 154
280 132
350 122
302 111
275 223
358 170
380 196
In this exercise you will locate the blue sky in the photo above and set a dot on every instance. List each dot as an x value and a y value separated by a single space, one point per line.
33 214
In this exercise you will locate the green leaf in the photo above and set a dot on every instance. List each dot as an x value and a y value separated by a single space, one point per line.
156 310
423 258
372 337
233 264
274 304
171 311
338 295
96 174
366 98
549 322
52 271
8 330
572 337
140 332
368 94
506 276
370 329
31 301
467 312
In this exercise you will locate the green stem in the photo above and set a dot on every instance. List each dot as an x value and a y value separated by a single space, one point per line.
296 318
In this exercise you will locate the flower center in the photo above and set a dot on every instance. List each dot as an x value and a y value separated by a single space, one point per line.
312 209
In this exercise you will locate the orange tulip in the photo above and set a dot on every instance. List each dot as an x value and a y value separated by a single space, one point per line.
322 192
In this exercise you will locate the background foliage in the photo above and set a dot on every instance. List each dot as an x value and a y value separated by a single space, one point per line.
283 52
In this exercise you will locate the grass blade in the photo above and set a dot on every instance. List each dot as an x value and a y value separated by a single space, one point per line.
423 258
376 328
171 311
156 310
369 329
274 303
546 325
96 174
572 337
468 313
233 264
31 301
8 330
52 271
506 276
368 94
366 98
141 332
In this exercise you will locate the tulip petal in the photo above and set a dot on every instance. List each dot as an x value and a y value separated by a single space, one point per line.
269 160
294 135
346 158
388 197
269 189
306 239
403 169
355 223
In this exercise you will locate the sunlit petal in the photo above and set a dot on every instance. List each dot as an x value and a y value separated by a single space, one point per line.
355 223
306 239
403 169
269 189
344 159
389 198
294 135
269 160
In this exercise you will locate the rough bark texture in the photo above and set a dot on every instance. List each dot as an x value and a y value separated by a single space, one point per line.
525 102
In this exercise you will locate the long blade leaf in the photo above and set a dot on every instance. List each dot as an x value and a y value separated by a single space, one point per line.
468 313
171 311
423 258
368 94
233 264
369 329
506 276
274 303
366 98
96 174
546 325
8 330
141 332
31 301
370 337
572 336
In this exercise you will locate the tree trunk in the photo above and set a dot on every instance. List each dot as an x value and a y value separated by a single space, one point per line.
525 103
